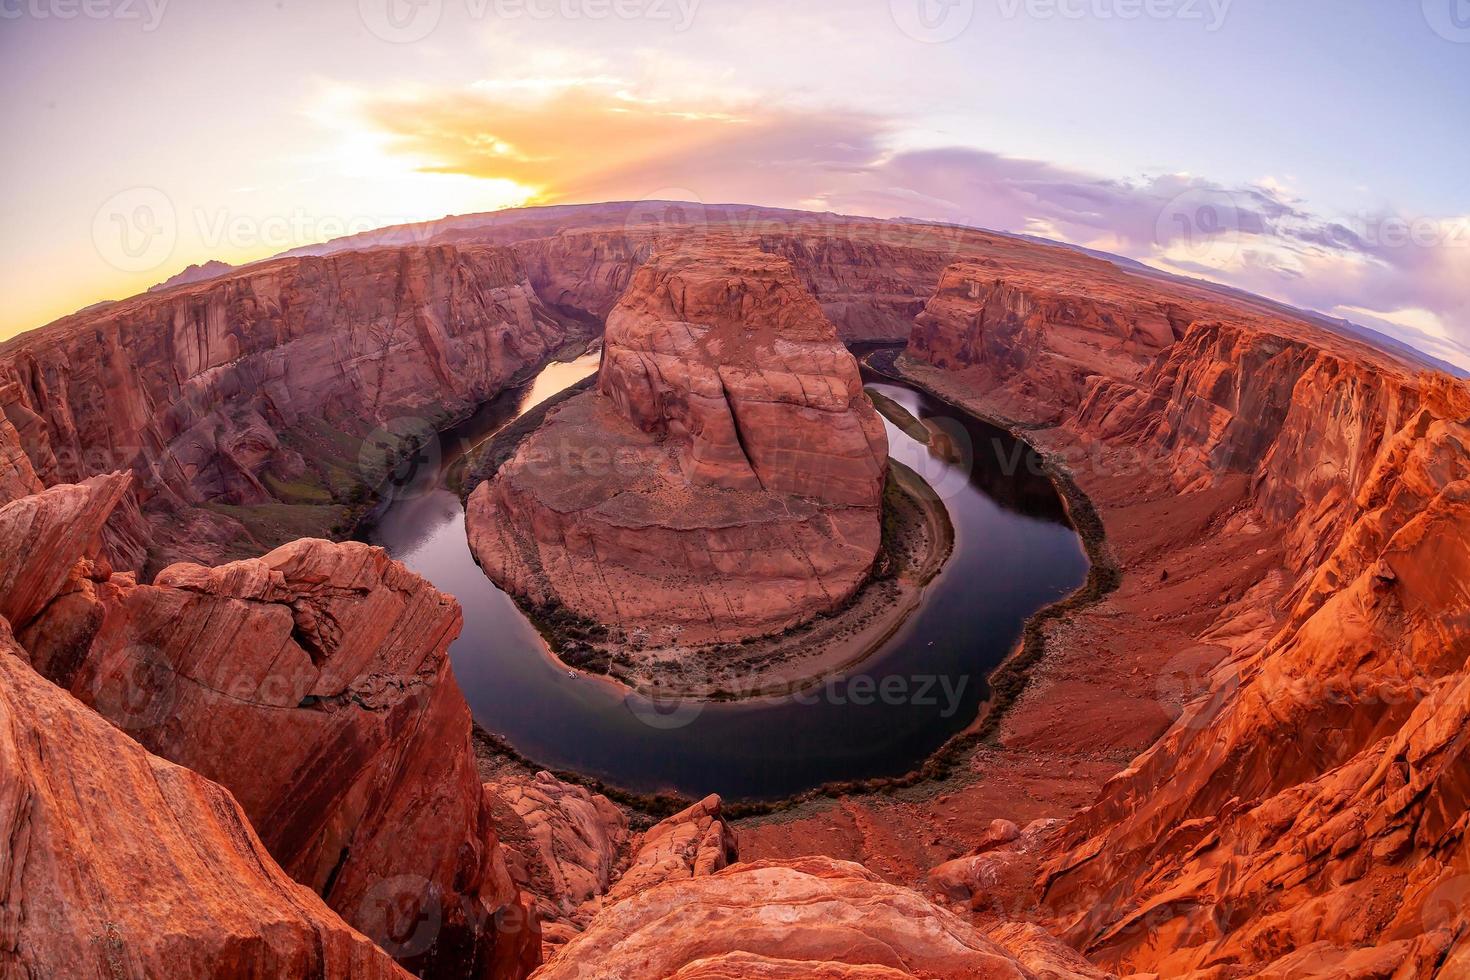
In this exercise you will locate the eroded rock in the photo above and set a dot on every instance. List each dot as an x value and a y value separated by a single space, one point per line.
724 481
117 863
313 683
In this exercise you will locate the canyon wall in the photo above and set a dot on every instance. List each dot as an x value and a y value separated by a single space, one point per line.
1306 813
119 864
723 482
289 382
1311 805
314 684
1033 339
870 279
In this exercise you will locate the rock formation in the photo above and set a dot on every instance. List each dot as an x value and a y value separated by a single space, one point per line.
1040 338
692 843
812 917
1281 674
17 476
1306 813
314 684
263 386
1317 791
563 844
119 864
723 482
870 278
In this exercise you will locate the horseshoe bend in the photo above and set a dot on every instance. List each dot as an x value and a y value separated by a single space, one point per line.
591 591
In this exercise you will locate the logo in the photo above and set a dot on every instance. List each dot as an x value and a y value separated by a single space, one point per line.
1450 19
663 714
402 914
403 455
135 230
670 216
400 21
932 21
1203 223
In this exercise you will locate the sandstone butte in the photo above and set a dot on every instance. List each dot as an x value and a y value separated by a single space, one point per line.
1250 756
725 479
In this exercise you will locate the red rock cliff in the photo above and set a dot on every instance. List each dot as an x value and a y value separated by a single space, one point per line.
723 482
1310 807
117 863
313 683
260 385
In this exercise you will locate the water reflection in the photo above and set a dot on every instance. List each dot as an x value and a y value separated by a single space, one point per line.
1014 552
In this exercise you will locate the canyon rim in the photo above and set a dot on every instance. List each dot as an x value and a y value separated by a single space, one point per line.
453 537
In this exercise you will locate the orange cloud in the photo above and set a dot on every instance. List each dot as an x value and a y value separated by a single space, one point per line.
587 142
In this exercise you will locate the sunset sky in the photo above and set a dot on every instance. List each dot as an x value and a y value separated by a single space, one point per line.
1314 151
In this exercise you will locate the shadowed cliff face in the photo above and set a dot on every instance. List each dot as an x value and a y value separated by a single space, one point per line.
314 684
265 386
740 472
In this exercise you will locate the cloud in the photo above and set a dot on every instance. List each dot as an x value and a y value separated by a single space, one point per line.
572 136
593 139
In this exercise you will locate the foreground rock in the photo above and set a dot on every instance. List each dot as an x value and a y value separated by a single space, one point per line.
284 383
563 844
314 684
725 480
811 917
119 864
692 843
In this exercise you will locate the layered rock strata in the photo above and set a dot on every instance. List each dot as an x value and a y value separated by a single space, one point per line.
1306 813
812 917
314 684
288 382
119 864
723 482
1314 797
1039 338
563 844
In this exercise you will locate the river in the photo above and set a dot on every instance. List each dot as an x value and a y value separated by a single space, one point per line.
1014 552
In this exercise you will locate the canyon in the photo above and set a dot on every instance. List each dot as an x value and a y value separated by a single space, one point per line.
1239 750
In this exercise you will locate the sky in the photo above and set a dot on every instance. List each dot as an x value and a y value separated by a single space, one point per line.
1312 151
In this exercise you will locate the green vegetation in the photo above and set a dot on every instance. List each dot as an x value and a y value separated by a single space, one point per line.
272 525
